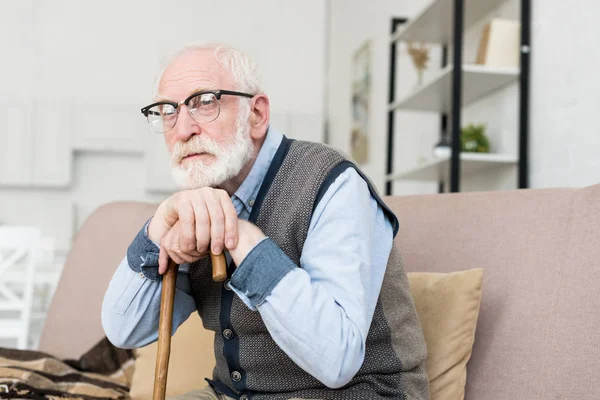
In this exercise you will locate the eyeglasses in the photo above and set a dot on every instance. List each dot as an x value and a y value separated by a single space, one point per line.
202 106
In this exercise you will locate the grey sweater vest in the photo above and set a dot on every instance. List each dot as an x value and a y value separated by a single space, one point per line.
249 363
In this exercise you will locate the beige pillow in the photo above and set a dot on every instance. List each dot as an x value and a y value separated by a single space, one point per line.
192 359
448 307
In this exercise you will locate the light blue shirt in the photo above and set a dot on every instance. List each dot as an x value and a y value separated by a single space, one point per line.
319 314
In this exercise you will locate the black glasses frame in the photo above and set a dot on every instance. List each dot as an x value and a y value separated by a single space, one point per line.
217 93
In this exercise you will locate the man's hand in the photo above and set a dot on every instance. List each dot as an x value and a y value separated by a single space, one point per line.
170 247
188 222
249 236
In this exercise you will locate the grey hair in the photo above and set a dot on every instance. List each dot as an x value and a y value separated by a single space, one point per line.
241 66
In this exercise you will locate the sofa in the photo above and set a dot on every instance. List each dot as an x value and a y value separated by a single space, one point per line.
538 330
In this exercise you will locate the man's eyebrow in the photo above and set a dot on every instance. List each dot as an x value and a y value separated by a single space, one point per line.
200 89
159 97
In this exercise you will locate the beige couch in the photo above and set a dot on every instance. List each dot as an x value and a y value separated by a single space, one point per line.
538 335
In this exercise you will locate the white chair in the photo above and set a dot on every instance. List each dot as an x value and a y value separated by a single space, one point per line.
47 273
18 247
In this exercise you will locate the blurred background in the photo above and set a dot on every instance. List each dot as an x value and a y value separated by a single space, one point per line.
375 79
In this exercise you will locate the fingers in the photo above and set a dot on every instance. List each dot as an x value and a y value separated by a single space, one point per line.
200 219
167 250
163 261
187 226
217 223
163 255
221 230
168 210
231 223
202 227
170 247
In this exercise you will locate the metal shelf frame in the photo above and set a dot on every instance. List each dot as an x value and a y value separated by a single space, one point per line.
456 95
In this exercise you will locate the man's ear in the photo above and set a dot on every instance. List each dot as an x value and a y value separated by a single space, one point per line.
260 117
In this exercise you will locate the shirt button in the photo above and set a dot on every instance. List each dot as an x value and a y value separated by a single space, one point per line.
243 397
236 376
228 334
251 202
141 274
226 284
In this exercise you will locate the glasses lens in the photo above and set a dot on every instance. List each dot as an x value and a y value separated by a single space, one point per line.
204 107
162 118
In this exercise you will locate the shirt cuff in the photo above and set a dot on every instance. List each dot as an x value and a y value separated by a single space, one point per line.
142 255
261 271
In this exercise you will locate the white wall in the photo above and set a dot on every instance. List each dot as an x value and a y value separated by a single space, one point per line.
565 86
75 75
565 89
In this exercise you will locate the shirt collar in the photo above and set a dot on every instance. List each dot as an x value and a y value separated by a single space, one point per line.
248 190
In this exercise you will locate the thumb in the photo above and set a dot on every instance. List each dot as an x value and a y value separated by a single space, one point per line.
168 213
164 219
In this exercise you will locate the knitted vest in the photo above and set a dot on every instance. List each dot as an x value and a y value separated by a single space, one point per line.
249 364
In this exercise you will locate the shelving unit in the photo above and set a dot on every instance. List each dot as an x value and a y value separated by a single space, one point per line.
444 22
435 24
473 163
435 95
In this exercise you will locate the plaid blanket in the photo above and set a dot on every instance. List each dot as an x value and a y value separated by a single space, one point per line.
104 372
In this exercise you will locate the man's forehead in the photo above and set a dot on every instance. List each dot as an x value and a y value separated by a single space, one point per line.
191 72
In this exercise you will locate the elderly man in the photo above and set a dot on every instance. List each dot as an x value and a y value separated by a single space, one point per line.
317 303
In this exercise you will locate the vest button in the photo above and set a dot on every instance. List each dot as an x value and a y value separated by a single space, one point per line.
228 334
226 284
243 397
236 376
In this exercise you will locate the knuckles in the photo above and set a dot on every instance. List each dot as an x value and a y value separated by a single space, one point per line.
183 245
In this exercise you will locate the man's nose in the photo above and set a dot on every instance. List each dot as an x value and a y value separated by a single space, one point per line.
186 126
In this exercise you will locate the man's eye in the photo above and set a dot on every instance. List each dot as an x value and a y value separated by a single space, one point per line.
206 100
167 111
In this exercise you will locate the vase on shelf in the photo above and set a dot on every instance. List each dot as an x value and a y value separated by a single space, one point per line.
420 57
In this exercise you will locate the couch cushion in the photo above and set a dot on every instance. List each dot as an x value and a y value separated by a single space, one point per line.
448 306
73 323
538 333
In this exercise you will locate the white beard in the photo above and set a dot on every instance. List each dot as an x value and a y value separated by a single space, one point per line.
229 160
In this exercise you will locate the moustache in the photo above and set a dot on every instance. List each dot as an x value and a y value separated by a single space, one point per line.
196 145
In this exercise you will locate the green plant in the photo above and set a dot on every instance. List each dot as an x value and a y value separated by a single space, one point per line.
474 140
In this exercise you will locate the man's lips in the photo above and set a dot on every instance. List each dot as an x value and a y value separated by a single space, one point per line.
194 155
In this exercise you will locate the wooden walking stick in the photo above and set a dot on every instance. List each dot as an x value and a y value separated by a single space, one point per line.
167 298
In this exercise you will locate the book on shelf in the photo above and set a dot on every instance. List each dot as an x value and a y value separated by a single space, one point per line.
500 44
